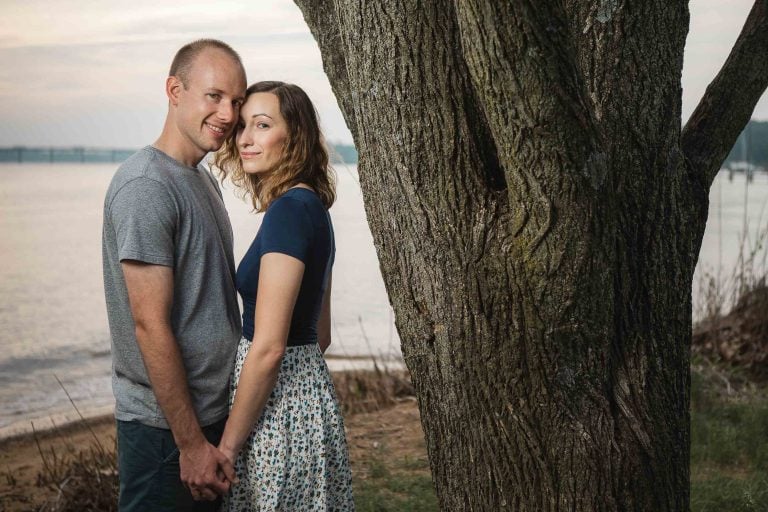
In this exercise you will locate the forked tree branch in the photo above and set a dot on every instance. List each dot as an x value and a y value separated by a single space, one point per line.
730 99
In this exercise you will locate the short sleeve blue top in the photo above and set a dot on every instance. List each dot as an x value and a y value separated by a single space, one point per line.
296 224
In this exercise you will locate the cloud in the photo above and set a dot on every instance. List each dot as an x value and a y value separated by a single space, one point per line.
82 72
45 22
100 67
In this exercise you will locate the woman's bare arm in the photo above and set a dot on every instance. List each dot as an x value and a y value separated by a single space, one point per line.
280 278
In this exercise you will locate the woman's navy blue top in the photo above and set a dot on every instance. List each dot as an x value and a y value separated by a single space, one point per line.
296 224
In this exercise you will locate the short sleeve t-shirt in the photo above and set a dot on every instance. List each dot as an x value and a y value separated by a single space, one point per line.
161 212
296 224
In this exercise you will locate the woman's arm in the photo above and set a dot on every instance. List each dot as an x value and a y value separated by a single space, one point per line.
324 323
279 282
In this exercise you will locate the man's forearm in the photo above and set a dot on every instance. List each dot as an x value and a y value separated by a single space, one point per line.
165 368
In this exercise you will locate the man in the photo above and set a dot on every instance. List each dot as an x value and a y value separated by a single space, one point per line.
169 280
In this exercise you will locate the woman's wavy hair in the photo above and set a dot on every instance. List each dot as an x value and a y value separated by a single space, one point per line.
304 158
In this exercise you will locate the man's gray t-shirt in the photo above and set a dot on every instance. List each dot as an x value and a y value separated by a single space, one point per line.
161 212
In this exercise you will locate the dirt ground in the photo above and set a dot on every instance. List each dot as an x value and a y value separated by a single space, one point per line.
397 429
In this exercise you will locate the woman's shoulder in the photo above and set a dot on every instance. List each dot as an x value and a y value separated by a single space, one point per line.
299 197
304 194
298 204
293 217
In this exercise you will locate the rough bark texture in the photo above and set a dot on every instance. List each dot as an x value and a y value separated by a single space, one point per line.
537 225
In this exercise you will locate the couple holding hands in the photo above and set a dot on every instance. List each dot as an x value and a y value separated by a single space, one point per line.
214 413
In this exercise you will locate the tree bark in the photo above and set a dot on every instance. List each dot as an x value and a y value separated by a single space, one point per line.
537 225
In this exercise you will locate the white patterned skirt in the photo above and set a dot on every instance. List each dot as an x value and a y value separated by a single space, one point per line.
296 458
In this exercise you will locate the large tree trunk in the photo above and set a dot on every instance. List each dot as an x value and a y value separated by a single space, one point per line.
538 222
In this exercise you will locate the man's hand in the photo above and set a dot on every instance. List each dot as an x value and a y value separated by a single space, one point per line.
206 471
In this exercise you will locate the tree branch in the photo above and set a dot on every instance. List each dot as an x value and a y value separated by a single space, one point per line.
324 23
730 99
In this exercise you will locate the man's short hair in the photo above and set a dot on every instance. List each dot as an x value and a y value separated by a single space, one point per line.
186 55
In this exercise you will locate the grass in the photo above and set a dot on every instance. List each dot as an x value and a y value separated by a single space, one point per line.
729 441
401 485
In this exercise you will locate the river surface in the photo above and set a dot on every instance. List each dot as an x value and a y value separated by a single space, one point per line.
53 320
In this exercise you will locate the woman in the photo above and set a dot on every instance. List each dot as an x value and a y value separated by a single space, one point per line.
285 430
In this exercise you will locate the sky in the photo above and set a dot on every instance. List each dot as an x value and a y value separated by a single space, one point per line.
92 72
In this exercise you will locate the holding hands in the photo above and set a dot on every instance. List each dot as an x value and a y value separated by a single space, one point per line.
206 471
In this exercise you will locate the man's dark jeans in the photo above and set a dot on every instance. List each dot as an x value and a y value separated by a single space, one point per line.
148 466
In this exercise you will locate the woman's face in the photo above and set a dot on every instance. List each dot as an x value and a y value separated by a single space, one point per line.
262 133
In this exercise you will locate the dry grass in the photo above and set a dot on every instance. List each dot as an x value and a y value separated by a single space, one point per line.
371 390
739 338
83 480
734 309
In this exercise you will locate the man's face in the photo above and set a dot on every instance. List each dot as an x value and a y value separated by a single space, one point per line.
209 107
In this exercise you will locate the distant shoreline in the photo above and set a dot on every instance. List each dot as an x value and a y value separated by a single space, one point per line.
339 153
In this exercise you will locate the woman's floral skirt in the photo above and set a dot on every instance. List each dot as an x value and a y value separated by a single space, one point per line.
296 458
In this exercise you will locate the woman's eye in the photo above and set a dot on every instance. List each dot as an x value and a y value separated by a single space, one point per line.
262 125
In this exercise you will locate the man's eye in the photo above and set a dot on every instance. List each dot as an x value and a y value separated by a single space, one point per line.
214 96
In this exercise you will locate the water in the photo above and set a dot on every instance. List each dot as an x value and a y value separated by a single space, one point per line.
53 321
52 314
736 228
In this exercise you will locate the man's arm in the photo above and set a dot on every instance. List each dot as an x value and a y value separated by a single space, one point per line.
150 291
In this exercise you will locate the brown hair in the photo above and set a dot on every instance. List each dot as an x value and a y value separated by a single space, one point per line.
304 158
186 55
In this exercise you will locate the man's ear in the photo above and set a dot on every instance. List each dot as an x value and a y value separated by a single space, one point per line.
173 87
